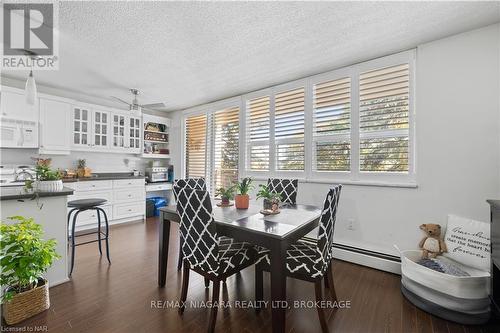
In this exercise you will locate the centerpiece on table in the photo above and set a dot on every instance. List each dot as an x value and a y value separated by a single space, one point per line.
271 202
242 199
226 194
24 257
47 180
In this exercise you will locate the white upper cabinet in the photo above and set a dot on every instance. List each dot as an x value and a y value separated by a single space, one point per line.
55 134
13 105
100 128
81 124
126 133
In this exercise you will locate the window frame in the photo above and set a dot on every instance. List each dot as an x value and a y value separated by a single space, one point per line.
354 176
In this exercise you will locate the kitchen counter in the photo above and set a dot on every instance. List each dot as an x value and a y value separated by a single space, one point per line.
104 176
18 193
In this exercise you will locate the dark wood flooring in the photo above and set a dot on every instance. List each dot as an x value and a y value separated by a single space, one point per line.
117 298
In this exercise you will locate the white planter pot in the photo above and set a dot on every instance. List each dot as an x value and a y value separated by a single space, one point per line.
49 185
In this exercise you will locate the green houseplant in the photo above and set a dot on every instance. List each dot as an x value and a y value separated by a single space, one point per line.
271 199
47 180
225 194
24 258
242 199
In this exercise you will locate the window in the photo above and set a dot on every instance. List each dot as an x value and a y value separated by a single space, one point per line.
351 125
196 148
258 120
289 130
212 147
383 119
332 125
226 147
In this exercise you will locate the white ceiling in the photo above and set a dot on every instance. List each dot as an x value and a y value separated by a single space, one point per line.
189 53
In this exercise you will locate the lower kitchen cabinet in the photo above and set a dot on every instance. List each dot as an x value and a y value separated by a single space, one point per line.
125 200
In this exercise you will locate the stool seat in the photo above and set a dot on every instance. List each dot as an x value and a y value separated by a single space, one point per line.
86 203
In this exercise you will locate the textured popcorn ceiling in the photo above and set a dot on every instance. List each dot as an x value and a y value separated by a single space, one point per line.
185 54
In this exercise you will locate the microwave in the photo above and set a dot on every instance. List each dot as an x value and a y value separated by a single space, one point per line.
157 174
18 133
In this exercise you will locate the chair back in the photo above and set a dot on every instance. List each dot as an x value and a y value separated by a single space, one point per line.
327 225
192 183
199 245
287 188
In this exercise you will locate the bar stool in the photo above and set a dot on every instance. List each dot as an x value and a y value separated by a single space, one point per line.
81 206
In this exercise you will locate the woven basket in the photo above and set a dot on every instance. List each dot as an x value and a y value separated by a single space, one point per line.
27 304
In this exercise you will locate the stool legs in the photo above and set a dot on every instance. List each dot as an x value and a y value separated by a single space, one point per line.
73 225
99 230
107 233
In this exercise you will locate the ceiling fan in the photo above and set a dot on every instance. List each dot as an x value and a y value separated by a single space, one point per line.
135 106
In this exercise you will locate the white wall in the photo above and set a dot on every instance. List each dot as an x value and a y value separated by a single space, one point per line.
458 149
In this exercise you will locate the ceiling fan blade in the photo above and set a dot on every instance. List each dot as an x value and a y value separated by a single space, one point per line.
121 100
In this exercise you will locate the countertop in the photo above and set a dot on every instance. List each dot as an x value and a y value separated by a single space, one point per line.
104 176
18 192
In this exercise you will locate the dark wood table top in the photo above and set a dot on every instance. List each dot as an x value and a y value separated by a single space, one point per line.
289 220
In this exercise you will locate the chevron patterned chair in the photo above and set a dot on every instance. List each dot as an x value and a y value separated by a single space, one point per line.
211 256
309 261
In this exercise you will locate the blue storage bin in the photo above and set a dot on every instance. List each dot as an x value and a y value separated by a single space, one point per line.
159 202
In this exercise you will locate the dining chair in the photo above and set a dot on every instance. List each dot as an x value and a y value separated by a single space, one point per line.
213 257
287 188
193 183
309 261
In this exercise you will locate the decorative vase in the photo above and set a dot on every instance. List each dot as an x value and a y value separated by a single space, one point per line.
49 185
242 201
27 304
270 205
225 200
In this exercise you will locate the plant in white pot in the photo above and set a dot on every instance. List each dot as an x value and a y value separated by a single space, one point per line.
47 180
24 258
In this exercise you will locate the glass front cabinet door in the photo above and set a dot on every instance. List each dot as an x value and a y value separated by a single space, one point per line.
134 134
100 129
81 127
118 131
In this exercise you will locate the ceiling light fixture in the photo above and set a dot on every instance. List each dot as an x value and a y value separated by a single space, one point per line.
30 91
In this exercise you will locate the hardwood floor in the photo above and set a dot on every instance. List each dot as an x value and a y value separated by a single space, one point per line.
118 298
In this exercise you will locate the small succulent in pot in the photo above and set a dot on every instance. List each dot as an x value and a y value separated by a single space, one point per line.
271 199
242 199
225 194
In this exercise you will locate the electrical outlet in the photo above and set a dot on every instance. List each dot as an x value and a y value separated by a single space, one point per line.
350 224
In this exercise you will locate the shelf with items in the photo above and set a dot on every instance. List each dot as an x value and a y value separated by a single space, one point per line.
156 137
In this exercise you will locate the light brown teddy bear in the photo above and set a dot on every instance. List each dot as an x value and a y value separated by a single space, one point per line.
432 245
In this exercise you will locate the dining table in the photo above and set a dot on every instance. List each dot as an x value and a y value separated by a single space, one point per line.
274 232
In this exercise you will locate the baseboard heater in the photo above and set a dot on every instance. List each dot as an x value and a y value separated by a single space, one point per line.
367 252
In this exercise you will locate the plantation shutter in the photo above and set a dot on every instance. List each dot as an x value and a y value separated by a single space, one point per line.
196 150
289 130
225 129
258 125
332 125
383 119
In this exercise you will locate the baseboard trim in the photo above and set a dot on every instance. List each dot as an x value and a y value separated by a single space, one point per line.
373 259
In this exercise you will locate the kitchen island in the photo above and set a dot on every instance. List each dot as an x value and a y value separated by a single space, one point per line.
48 210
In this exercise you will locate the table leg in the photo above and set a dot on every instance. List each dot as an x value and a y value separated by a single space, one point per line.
278 286
163 250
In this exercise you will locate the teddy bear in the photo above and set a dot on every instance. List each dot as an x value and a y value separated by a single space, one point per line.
432 245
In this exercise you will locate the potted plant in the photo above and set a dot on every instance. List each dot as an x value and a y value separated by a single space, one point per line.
242 199
225 194
47 180
25 257
271 199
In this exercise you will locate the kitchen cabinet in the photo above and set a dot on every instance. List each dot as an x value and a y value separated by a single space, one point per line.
81 123
100 129
127 133
13 105
55 135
